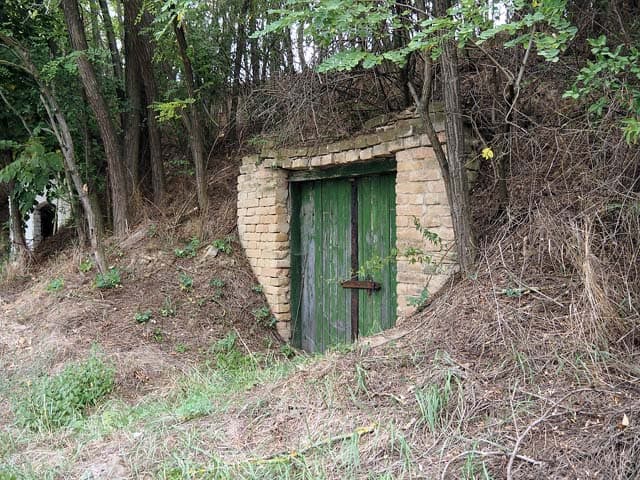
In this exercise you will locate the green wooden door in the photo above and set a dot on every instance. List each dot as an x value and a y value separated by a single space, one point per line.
342 229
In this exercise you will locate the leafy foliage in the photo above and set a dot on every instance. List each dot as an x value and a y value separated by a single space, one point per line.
347 22
34 171
108 280
55 285
190 250
611 81
56 401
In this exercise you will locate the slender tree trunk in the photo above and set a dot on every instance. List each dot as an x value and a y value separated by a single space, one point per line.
288 51
111 39
144 48
133 87
139 65
254 50
19 251
300 47
241 44
194 124
133 130
88 200
110 140
95 31
458 188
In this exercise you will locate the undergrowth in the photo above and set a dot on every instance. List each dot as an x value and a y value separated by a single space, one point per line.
56 401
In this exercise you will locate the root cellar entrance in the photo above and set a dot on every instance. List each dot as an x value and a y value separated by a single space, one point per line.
343 254
341 236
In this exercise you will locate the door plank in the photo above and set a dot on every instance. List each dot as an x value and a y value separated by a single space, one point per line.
376 213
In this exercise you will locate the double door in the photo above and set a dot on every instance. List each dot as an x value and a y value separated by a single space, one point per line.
343 258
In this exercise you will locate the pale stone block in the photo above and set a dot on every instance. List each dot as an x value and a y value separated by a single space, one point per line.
381 149
411 142
283 328
409 210
366 153
409 199
403 156
351 156
410 187
395 146
300 163
435 187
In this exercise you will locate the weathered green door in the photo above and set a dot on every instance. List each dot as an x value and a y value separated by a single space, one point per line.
343 258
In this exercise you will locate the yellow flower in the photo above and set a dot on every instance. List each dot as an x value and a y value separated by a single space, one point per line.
487 153
535 3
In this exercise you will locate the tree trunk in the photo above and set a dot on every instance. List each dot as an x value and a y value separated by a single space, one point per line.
194 124
144 47
288 51
458 188
241 43
254 51
139 65
133 121
110 140
133 87
111 39
95 32
19 250
300 47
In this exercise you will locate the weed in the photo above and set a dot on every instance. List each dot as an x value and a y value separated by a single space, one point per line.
57 401
108 280
168 308
7 445
217 283
152 231
524 365
227 356
222 245
190 250
420 300
471 467
143 317
186 282
257 288
361 379
55 285
225 344
264 318
181 348
433 400
514 292
86 265
287 350
158 336
342 348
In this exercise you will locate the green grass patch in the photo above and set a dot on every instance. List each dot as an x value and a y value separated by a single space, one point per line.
55 401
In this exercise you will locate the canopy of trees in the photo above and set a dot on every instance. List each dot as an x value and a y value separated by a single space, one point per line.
92 89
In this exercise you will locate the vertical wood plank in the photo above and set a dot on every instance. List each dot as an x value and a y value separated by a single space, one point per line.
376 244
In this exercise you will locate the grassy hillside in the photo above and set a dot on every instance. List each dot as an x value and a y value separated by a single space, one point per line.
174 372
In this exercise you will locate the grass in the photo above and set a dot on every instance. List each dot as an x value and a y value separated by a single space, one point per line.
205 390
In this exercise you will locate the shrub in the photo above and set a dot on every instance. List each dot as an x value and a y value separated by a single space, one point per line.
108 280
57 401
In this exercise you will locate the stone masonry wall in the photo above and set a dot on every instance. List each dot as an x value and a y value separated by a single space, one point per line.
264 215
